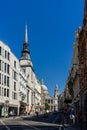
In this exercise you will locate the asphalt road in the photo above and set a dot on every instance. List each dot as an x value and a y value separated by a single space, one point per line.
47 122
27 123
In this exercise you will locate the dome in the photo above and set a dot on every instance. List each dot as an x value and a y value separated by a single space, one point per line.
44 87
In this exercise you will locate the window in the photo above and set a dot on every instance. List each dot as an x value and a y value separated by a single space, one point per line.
7 92
0 50
8 56
15 95
51 101
48 100
4 91
7 81
8 68
5 54
14 75
0 64
0 78
5 67
15 86
15 64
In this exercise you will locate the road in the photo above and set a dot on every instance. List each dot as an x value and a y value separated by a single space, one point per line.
31 123
21 124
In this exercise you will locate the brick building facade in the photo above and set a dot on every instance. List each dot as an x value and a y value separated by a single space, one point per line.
82 55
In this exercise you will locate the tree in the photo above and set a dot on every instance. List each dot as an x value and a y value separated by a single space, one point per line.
47 107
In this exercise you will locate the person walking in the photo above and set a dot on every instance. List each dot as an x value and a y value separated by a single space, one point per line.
72 117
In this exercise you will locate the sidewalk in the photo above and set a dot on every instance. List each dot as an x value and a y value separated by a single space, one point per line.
10 118
17 117
75 127
70 127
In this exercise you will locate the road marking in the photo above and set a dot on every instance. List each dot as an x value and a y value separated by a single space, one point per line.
5 125
30 126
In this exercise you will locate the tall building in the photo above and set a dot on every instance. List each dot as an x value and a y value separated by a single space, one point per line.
20 90
33 86
56 96
82 55
9 75
23 103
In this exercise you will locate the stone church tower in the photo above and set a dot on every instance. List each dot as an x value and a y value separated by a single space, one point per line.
56 94
27 67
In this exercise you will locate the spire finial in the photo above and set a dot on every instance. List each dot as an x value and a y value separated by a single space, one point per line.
26 35
25 51
42 81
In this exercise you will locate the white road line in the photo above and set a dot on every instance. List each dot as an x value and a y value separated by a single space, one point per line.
5 125
30 126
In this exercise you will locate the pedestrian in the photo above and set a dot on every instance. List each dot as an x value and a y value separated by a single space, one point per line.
37 113
72 117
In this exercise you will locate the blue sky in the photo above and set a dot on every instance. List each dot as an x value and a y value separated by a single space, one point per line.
51 28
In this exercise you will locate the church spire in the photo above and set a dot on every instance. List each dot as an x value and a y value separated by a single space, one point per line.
56 91
25 51
26 35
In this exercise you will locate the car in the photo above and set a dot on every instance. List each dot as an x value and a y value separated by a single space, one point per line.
45 115
55 112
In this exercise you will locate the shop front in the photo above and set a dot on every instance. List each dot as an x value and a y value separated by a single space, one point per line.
13 111
22 109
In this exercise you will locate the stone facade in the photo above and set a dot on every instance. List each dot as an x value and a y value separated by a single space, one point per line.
77 79
82 54
20 90
52 101
9 74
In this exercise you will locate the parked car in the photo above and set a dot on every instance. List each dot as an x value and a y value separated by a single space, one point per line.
55 112
45 115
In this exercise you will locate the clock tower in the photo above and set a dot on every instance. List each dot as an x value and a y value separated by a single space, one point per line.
25 61
27 67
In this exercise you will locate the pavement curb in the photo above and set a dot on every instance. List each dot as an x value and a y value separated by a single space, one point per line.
71 128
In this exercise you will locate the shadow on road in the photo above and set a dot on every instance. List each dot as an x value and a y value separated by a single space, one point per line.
46 118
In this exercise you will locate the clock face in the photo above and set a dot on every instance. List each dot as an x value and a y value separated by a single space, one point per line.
28 62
